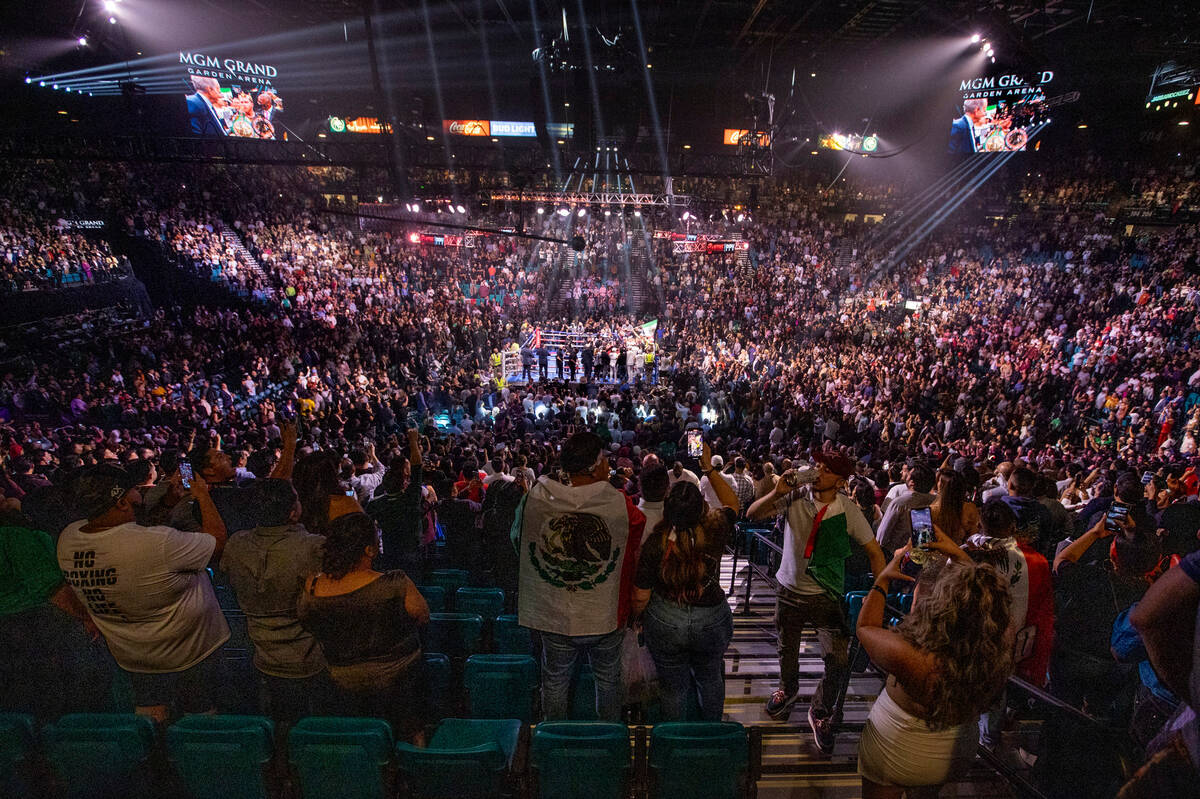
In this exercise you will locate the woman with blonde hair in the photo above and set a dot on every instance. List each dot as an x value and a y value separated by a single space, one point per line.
947 661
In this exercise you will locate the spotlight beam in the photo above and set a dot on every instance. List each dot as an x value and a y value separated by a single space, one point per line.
909 212
659 142
545 81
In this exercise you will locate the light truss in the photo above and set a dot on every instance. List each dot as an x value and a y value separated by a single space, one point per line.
611 198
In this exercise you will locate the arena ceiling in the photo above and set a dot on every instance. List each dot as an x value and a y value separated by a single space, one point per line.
707 55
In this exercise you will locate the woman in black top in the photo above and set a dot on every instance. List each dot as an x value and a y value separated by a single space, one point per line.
366 622
687 620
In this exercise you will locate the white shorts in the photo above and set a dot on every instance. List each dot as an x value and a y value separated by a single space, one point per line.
897 748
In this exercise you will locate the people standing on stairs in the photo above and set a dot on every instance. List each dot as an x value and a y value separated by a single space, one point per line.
947 662
821 523
685 616
578 547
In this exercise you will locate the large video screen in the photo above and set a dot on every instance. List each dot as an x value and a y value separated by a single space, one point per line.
231 97
999 113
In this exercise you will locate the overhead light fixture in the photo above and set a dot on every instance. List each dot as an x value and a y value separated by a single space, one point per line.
741 217
1184 122
975 39
82 40
112 20
54 86
993 59
560 141
582 213
428 138
607 212
29 80
541 210
41 83
687 146
637 213
110 6
564 212
1082 125
460 209
812 74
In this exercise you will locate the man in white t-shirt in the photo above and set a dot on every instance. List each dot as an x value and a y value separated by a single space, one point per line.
147 591
706 487
821 524
678 473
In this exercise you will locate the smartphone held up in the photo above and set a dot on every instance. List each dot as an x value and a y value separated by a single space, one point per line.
922 535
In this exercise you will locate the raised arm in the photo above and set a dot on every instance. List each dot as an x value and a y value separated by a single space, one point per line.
887 649
287 458
211 522
766 506
1166 618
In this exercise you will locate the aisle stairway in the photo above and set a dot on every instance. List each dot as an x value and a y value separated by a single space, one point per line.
234 240
792 765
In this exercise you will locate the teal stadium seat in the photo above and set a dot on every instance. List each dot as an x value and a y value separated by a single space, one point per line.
450 580
100 754
699 760
435 597
438 676
455 634
487 602
16 743
222 757
510 638
345 758
467 758
501 686
581 760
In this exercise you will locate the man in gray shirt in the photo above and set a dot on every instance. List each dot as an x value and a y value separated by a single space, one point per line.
896 527
266 567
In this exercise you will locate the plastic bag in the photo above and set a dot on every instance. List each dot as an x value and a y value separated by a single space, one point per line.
641 678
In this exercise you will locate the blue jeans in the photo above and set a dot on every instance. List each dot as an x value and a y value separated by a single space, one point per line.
688 646
559 656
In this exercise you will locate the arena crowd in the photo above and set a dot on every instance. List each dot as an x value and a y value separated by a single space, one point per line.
343 417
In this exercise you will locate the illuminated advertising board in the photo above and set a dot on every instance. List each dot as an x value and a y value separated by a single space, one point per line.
736 136
505 128
521 129
711 246
998 112
357 125
467 127
227 96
